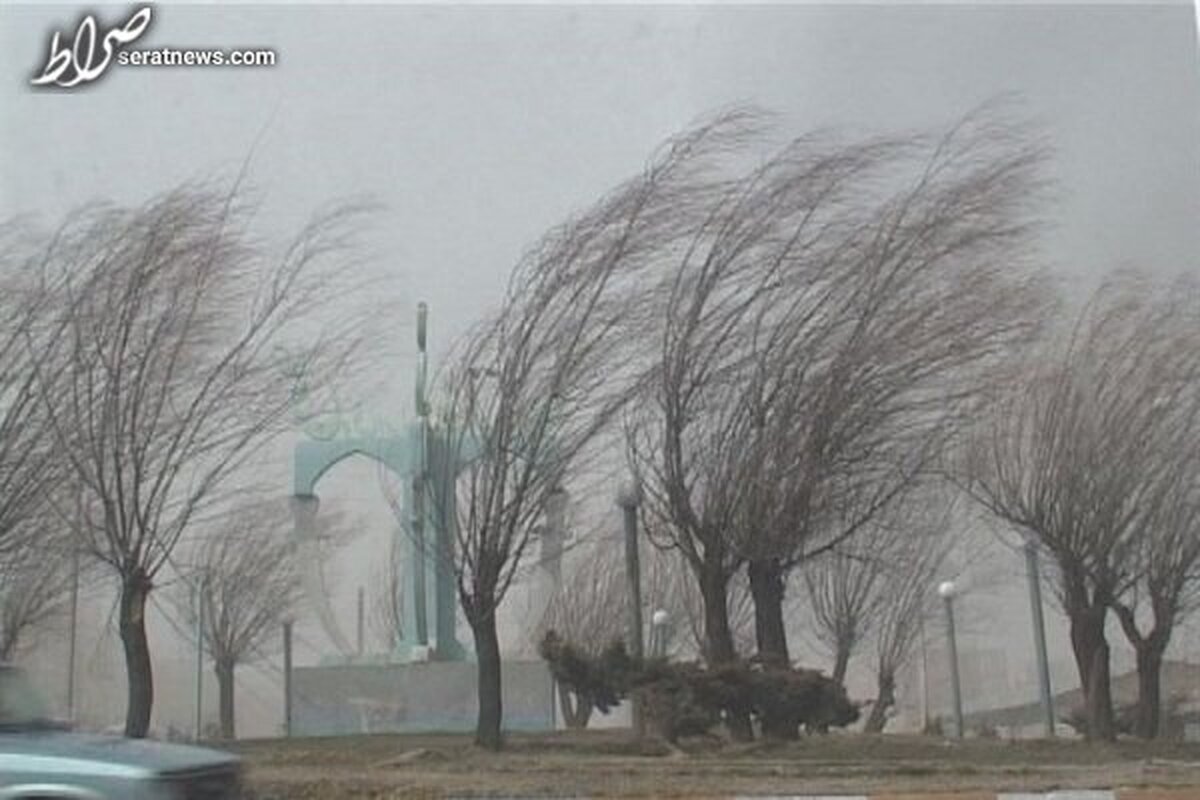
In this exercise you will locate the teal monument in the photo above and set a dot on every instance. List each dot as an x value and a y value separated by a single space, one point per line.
419 455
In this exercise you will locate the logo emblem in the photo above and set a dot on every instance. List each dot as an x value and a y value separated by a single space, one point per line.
90 54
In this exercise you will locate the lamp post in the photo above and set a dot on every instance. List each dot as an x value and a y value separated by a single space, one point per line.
201 587
628 498
1039 633
947 590
924 680
73 627
660 632
287 677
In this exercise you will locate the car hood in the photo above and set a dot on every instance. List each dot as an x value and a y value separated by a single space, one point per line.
156 757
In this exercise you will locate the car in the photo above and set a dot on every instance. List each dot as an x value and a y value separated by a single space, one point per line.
45 760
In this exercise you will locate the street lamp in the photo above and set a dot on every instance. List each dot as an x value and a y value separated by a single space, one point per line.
287 675
947 590
1039 632
628 497
199 590
659 633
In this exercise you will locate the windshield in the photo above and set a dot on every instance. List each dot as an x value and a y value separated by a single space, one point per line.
21 705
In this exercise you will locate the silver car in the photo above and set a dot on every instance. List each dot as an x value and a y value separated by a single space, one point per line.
43 760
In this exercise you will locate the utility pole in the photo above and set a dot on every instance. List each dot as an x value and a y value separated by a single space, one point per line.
924 679
200 587
1039 633
361 608
628 499
76 537
419 487
74 632
287 678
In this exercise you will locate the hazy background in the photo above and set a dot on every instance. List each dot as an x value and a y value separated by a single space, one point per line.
478 127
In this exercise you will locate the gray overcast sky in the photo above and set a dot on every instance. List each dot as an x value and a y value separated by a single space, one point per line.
481 126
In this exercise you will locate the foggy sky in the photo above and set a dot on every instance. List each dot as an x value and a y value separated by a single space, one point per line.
479 127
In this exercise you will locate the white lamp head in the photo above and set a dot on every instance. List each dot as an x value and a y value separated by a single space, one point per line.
946 589
659 618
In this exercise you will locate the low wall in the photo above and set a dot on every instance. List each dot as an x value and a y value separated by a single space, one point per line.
411 698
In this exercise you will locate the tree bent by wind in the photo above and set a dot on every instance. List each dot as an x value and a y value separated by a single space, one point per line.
241 582
164 375
840 314
1092 454
530 393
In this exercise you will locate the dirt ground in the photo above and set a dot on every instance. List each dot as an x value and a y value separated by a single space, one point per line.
610 764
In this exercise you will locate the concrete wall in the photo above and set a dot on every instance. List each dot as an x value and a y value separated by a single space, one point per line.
430 696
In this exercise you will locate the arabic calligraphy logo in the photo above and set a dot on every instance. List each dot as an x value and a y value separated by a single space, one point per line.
89 56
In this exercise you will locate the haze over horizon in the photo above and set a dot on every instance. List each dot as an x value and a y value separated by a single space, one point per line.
478 128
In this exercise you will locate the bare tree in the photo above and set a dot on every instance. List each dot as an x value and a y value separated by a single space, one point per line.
876 588
35 585
243 577
824 334
842 587
670 585
696 438
172 360
880 374
29 469
588 610
913 562
1075 457
387 598
1168 586
533 389
1165 562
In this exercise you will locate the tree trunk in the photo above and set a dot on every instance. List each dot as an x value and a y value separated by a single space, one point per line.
1149 649
577 713
487 657
224 670
138 672
767 589
886 699
841 663
718 641
1091 651
1146 723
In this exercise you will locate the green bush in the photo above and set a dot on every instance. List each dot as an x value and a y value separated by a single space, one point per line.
682 699
603 681
675 699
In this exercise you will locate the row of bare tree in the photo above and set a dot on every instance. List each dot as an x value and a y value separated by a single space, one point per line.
1094 455
796 354
804 357
147 358
784 351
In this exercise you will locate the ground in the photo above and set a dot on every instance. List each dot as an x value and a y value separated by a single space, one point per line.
609 764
